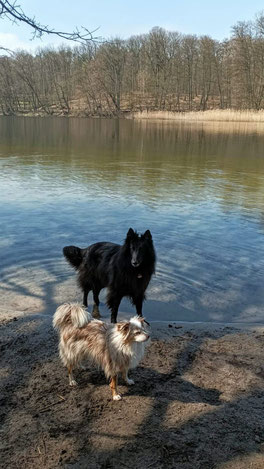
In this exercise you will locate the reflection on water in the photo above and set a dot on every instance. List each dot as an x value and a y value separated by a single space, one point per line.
199 189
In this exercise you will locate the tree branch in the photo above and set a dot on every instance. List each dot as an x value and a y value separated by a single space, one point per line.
14 12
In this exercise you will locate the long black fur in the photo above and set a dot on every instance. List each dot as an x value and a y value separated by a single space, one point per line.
125 269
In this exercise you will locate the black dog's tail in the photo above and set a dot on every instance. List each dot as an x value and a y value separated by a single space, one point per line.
73 255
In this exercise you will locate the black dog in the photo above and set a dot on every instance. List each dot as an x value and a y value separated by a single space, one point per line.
126 270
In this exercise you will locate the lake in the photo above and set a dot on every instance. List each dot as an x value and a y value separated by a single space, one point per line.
198 188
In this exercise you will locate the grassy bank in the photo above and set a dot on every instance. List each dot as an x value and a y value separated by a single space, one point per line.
217 115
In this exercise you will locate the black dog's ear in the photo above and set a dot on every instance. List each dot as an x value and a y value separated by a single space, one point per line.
130 233
147 235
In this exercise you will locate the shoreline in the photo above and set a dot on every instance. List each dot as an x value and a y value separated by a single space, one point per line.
208 116
215 115
159 328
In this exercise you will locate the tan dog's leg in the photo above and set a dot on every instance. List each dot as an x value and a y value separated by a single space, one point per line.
72 381
127 380
113 387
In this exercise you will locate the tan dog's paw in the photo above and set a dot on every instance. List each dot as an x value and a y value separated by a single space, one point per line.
73 382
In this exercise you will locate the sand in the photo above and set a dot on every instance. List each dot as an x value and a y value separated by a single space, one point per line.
197 402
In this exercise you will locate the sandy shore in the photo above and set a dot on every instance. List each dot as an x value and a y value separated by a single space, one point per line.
197 402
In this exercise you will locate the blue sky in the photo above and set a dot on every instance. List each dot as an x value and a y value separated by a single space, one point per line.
124 18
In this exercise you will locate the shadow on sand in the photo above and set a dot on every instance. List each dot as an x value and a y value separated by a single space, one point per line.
166 420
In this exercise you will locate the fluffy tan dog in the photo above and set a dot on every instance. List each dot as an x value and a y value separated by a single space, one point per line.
114 347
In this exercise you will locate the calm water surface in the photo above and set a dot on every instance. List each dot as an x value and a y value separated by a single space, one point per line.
199 189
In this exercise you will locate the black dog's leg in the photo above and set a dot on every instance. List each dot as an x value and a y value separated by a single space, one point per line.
114 312
96 292
113 302
85 297
138 303
96 312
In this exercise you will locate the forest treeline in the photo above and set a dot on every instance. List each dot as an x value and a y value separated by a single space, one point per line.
160 70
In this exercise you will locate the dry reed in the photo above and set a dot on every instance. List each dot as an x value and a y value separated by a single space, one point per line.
217 115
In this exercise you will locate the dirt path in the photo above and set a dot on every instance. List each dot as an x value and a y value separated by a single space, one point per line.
198 403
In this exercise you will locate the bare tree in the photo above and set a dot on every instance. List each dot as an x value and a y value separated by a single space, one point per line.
111 63
189 47
248 45
160 70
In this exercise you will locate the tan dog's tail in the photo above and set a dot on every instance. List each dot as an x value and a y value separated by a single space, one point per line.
71 314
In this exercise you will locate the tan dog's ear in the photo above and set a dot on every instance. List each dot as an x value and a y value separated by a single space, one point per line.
123 327
143 320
